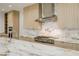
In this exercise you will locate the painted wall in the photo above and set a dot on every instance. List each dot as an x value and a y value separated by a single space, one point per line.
1 22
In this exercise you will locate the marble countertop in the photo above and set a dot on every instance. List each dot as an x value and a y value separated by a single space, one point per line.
24 48
69 40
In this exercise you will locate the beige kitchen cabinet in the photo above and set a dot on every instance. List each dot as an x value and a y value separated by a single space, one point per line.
31 13
47 9
37 11
68 15
13 21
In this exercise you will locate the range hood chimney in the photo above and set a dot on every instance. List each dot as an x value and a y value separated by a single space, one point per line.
46 11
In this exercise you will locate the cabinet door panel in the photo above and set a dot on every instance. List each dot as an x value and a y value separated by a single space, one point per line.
13 21
47 9
68 15
31 13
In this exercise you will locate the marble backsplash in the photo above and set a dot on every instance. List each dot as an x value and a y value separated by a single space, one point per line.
30 32
50 28
73 34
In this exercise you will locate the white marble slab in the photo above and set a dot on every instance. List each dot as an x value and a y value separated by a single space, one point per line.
69 40
24 48
51 29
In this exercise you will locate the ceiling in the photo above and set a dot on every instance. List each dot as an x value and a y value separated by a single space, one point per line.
5 7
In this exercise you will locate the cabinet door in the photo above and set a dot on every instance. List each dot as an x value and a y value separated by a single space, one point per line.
13 21
47 9
31 13
68 15
10 19
16 24
6 22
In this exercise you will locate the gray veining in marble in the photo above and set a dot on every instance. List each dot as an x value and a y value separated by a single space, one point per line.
24 48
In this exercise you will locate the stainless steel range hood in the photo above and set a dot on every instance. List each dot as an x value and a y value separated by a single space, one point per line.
46 11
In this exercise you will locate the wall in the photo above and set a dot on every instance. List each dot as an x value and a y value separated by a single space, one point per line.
67 15
1 22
